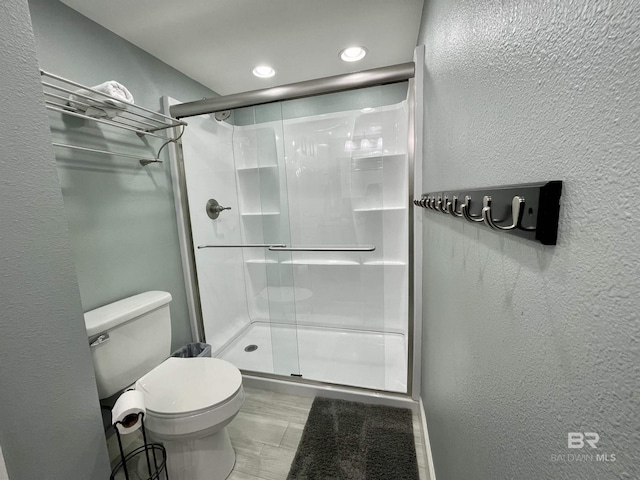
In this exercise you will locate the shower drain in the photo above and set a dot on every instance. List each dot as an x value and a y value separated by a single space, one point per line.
250 348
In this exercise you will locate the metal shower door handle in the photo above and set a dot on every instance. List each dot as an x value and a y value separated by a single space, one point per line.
346 248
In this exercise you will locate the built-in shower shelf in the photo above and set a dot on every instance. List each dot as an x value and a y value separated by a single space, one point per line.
326 263
367 164
320 262
386 263
260 261
378 209
258 214
373 156
259 189
260 167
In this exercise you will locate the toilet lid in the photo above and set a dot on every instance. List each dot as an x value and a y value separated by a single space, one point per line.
183 385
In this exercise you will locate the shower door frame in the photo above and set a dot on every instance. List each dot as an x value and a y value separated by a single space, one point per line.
413 72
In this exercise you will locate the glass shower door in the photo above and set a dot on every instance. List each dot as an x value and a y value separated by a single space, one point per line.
335 185
271 292
319 186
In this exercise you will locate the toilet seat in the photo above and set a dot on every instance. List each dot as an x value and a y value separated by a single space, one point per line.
182 386
185 396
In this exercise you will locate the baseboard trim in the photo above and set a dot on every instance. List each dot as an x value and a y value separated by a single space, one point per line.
427 443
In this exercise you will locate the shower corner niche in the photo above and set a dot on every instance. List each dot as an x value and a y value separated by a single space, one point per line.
257 170
379 185
379 182
379 173
257 157
258 191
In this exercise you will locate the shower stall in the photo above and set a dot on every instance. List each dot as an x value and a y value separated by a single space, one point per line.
298 235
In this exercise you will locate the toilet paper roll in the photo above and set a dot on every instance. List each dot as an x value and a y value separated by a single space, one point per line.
126 411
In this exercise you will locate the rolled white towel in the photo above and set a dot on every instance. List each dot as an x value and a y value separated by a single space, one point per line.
98 105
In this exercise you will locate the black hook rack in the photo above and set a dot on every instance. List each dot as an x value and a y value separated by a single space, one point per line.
529 210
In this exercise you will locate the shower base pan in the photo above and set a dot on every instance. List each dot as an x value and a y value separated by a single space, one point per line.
345 357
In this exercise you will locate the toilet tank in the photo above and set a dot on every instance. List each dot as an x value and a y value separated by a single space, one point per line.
128 339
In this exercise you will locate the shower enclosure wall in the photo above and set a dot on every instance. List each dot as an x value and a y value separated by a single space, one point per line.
321 185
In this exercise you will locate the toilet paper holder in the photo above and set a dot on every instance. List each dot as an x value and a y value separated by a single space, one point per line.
148 459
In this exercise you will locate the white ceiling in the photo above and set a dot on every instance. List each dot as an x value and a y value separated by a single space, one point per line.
218 42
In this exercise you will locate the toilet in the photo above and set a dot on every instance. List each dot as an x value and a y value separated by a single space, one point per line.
189 401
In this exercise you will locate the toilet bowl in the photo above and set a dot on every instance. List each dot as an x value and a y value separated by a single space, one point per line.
189 403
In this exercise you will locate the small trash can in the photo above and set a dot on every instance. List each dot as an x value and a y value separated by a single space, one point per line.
193 350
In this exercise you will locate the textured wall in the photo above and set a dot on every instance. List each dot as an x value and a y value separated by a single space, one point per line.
121 215
524 343
50 424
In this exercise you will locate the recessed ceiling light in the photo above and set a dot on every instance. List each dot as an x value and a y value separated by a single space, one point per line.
353 54
263 71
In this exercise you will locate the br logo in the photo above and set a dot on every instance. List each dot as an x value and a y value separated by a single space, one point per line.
578 439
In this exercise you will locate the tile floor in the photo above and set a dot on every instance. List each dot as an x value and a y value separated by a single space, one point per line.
266 433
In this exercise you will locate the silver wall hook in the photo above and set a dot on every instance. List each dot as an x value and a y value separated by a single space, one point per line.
443 205
447 204
452 207
465 208
517 211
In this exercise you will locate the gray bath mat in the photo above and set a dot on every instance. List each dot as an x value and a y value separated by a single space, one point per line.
355 441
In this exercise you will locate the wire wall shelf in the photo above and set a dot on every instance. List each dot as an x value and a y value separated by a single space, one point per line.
74 99
528 210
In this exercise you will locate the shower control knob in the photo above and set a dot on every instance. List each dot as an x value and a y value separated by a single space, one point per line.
214 208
